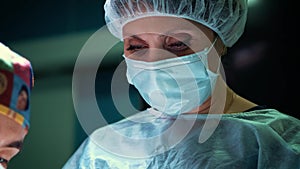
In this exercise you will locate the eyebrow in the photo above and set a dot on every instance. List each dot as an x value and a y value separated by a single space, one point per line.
161 35
139 38
16 144
136 37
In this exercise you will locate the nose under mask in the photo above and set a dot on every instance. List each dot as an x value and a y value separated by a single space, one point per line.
175 85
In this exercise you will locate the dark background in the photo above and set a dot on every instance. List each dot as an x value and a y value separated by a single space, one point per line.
262 66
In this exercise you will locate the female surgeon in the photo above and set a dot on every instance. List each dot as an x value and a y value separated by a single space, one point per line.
173 52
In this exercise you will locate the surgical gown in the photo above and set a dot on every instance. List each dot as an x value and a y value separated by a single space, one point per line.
259 139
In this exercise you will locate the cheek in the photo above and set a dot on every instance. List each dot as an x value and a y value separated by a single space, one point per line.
126 53
198 45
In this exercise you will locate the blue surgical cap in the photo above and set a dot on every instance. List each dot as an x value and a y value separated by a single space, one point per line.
227 18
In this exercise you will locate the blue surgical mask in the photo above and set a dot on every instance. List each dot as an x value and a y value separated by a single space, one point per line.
173 86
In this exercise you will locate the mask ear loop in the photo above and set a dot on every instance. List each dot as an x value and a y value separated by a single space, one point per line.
212 45
204 58
210 125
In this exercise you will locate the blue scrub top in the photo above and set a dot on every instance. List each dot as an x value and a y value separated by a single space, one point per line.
258 139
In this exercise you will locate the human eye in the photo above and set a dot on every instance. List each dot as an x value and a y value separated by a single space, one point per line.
135 47
177 43
177 46
135 44
3 162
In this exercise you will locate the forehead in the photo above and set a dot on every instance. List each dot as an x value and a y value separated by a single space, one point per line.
10 130
164 25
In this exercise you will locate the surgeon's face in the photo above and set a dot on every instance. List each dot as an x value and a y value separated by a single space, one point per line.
156 38
12 135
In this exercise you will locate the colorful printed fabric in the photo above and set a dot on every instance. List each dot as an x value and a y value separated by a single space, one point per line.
16 82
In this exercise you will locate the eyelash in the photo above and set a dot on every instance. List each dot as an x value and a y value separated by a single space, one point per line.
172 46
178 46
135 47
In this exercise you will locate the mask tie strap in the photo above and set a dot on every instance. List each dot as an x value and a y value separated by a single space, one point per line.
204 59
212 45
